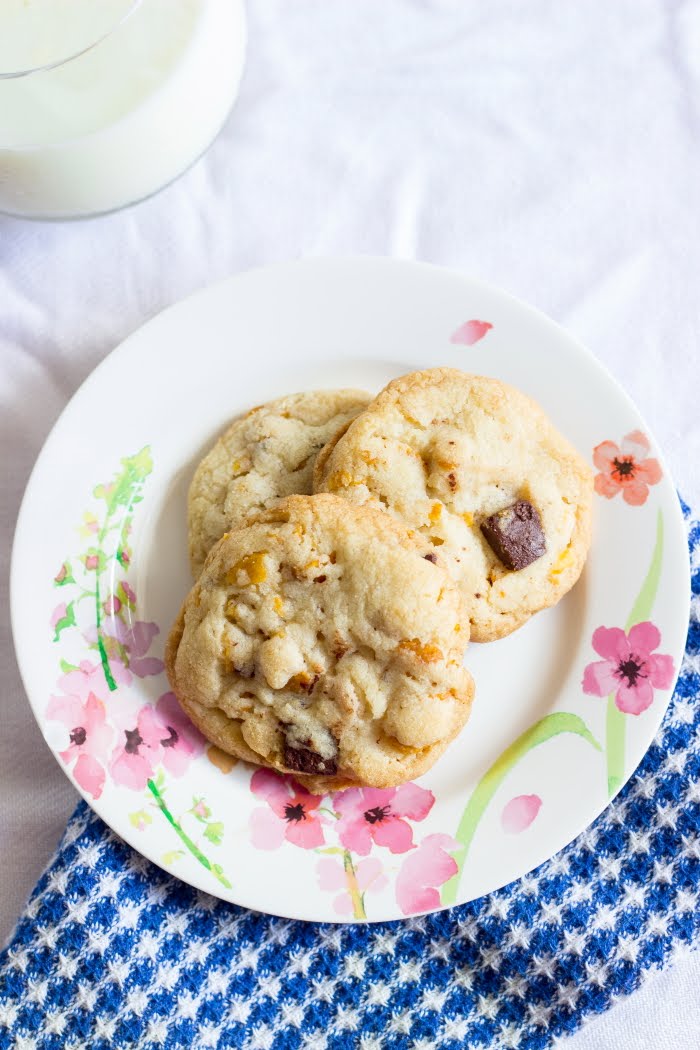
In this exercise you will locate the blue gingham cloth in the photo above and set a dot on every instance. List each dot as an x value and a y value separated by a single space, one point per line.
112 952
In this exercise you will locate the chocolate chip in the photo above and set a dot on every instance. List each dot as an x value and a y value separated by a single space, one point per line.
515 534
304 760
431 557
452 481
320 579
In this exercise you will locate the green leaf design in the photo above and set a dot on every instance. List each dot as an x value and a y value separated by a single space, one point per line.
172 855
215 869
219 873
141 816
615 724
94 560
214 832
124 557
66 667
550 726
123 491
67 620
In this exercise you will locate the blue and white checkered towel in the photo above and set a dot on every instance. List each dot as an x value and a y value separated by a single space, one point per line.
112 952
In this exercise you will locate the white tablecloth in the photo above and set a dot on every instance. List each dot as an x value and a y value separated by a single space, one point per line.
551 148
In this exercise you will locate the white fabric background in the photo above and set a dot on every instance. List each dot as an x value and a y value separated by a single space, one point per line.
552 148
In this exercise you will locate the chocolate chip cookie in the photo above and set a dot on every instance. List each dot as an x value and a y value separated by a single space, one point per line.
477 469
266 455
322 640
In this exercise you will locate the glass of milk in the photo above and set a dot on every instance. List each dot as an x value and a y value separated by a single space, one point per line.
103 102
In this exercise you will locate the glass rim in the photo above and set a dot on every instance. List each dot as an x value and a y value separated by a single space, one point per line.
15 74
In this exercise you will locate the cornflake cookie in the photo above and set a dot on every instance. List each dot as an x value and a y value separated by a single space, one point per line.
263 456
320 640
477 469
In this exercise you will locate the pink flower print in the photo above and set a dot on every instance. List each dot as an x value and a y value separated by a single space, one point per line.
129 592
57 615
62 573
630 668
89 738
379 815
292 813
423 871
519 813
180 740
626 469
332 876
92 561
111 606
136 638
89 678
470 332
138 752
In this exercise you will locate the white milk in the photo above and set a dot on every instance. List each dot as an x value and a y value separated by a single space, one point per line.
125 117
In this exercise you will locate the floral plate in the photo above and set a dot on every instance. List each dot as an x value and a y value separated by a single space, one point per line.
565 707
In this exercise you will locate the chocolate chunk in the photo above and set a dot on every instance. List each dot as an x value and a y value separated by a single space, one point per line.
431 557
515 534
304 760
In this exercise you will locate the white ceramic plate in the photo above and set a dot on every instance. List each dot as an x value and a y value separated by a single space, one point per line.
100 568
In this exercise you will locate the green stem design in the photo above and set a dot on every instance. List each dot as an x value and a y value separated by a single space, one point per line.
127 488
358 906
551 725
107 670
615 719
215 869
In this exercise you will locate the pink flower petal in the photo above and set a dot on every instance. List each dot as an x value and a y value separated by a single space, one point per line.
150 728
355 835
378 798
369 873
649 470
396 834
519 813
643 638
635 493
661 671
144 666
413 802
66 709
635 444
606 485
266 830
272 787
132 771
305 833
599 678
635 699
342 905
138 637
349 803
611 643
604 454
331 874
89 774
470 332
58 614
422 872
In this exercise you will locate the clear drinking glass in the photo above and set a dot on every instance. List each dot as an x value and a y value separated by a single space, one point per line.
102 104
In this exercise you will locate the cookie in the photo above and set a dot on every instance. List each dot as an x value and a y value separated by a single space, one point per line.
319 640
262 457
477 469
